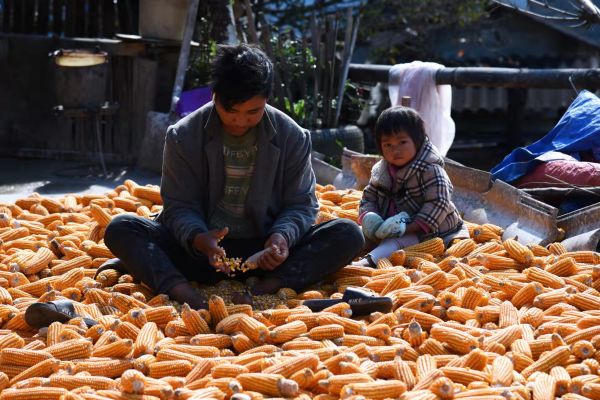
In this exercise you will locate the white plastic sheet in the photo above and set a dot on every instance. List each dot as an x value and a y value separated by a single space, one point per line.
433 102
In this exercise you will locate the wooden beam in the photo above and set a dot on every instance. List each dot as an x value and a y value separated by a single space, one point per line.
563 78
115 47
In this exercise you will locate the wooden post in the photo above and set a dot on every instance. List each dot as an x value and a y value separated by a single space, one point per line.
42 26
72 18
251 25
108 18
349 41
57 27
143 88
28 16
5 22
128 15
122 73
237 14
94 19
18 17
184 52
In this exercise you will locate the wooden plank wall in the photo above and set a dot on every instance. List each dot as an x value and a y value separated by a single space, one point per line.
134 80
69 18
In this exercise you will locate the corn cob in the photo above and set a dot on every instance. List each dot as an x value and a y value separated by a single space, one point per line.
374 390
518 251
461 248
132 382
544 387
40 369
151 193
287 332
161 369
342 309
442 388
215 340
268 384
584 256
23 357
193 321
242 343
36 393
547 361
484 233
477 359
434 246
170 354
146 339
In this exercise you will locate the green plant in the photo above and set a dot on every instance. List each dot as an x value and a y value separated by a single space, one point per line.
294 77
301 89
198 71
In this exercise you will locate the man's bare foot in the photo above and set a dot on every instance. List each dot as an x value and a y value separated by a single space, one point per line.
185 293
244 297
266 286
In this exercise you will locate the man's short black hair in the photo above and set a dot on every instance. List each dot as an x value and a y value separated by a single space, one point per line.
400 119
239 73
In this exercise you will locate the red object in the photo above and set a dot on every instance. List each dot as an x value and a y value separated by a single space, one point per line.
554 173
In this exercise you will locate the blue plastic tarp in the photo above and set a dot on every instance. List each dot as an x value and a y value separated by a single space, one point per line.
578 130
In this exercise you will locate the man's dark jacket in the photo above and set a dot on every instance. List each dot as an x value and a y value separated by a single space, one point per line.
281 196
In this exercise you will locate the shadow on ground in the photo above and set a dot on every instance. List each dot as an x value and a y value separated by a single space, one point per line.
21 177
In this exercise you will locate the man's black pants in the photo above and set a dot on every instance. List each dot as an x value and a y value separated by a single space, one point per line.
151 254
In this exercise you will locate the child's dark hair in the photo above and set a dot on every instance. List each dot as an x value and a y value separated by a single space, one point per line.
400 119
239 73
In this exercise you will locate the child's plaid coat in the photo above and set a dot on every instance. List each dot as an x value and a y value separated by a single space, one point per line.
421 188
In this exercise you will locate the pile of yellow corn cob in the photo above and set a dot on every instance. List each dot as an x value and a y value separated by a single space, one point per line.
337 203
482 319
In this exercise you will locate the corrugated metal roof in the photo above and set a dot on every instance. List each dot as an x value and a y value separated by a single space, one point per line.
496 99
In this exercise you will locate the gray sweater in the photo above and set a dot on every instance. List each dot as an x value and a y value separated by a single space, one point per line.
281 196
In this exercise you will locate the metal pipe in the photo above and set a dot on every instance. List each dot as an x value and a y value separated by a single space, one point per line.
561 78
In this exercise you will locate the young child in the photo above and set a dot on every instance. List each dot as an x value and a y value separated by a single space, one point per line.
408 198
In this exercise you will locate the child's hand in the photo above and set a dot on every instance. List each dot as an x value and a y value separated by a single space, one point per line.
393 226
370 224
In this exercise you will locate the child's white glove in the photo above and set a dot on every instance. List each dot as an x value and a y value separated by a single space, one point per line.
393 226
370 223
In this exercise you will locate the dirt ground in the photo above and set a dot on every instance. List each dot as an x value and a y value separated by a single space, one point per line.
21 177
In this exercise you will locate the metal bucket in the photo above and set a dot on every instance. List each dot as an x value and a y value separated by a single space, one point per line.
80 77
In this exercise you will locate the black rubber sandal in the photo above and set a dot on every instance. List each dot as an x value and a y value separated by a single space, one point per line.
39 315
362 302
113 263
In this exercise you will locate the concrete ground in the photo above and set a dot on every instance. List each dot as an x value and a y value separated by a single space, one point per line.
21 177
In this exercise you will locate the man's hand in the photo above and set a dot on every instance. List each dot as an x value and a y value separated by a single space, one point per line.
207 243
274 254
277 251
